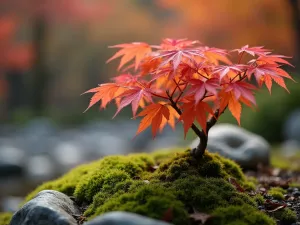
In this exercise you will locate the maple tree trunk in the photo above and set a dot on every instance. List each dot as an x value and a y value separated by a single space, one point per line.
40 72
199 151
296 22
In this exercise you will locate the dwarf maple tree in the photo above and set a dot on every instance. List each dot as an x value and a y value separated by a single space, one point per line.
184 81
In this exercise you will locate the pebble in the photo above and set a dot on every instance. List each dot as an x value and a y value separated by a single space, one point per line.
296 193
47 207
231 141
124 218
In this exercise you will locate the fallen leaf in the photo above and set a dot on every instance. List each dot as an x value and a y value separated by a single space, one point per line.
273 206
200 217
235 183
168 215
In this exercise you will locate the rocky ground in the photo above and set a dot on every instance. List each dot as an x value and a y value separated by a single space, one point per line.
270 178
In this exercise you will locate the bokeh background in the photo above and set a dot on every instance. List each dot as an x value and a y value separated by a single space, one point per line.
51 51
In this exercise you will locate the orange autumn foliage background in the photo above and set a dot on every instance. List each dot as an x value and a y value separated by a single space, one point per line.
234 23
77 36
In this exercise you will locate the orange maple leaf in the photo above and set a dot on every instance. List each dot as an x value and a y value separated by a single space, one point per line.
228 99
105 93
153 115
192 112
137 50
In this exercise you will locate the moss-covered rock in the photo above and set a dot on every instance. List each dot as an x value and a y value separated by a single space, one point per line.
5 218
155 184
286 216
241 215
277 193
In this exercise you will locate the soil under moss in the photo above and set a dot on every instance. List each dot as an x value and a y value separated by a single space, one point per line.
162 182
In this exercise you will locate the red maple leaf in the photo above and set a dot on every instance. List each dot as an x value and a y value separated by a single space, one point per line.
258 50
199 88
273 59
177 56
169 43
134 96
241 88
222 71
272 70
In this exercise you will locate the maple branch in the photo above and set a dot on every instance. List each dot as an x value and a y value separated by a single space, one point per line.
201 74
199 151
194 127
240 77
181 91
241 56
159 96
177 86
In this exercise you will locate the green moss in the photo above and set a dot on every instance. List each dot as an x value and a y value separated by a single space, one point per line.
5 218
279 160
163 154
180 184
294 185
152 200
259 199
249 185
277 193
240 215
86 177
286 216
211 165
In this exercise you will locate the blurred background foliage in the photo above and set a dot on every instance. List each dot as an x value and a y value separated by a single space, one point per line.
51 51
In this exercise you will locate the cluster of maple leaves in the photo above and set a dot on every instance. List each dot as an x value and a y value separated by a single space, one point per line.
182 80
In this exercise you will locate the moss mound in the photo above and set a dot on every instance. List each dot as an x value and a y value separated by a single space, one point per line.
161 183
277 193
5 218
286 216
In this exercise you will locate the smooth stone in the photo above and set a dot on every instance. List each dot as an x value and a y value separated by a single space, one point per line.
244 147
68 153
40 167
291 127
11 154
11 161
11 170
48 207
124 218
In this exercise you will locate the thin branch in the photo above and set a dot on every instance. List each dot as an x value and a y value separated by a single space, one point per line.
194 127
159 96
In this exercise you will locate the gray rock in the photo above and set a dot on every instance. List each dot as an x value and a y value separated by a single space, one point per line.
238 144
47 208
291 127
68 154
10 170
11 161
40 168
124 218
